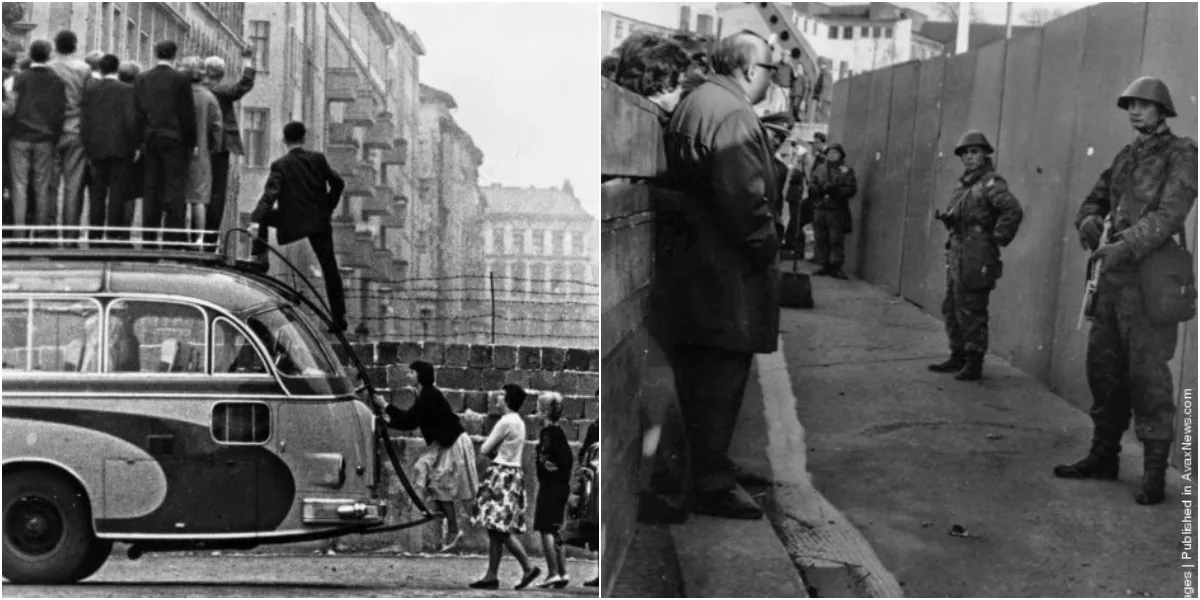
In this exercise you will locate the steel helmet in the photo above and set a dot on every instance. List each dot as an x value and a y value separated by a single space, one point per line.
973 137
1148 88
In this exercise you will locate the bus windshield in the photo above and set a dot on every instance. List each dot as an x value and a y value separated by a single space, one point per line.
290 344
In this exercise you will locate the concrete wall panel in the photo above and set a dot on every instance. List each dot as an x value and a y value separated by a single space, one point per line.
870 162
837 114
881 241
1166 25
919 225
1100 132
988 90
957 85
1023 305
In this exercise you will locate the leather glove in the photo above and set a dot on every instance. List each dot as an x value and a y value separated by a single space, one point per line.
1089 232
1113 254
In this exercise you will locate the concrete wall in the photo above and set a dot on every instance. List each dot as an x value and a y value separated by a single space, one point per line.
631 156
466 374
1047 102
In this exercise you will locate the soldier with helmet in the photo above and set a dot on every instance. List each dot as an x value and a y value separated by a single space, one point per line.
1147 194
831 185
983 216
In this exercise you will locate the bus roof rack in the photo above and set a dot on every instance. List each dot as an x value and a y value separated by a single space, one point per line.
108 243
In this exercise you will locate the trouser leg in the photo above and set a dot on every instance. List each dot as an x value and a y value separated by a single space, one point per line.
711 383
72 163
322 245
216 207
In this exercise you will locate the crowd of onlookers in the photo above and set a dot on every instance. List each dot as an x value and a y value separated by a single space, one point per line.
105 130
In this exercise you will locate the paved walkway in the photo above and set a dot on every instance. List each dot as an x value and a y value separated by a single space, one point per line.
906 454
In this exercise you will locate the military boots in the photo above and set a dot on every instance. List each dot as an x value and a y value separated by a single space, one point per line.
957 360
1102 462
973 369
1154 472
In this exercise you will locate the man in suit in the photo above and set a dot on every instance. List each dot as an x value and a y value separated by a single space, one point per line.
135 175
301 193
167 118
718 156
230 142
110 139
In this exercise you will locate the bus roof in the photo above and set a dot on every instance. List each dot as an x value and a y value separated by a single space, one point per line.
203 276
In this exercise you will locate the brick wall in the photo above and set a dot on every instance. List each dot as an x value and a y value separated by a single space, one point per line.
467 374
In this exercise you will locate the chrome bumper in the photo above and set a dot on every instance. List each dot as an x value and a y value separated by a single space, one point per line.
326 510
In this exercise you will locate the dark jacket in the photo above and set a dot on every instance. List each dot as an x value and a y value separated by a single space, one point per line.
553 446
297 187
41 107
984 217
109 114
832 186
1149 190
591 437
165 107
723 281
431 413
227 94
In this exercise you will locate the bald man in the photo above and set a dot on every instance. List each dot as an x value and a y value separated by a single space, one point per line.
724 304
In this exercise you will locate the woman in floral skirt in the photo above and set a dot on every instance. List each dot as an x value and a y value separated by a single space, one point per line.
500 503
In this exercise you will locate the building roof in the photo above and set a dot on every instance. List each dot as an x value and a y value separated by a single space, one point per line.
872 11
532 201
981 34
430 94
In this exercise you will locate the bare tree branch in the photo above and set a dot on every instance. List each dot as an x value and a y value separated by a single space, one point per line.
1040 15
949 11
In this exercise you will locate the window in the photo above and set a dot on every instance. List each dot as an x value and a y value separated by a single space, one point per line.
537 274
539 242
291 345
498 240
153 336
260 38
52 336
619 29
257 147
233 352
577 244
848 32
556 243
876 32
519 241
863 32
833 32
241 422
887 32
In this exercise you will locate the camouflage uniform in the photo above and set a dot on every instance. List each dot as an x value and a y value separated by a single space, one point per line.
985 217
830 188
1127 354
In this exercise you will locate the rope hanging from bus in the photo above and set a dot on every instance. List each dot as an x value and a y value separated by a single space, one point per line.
322 311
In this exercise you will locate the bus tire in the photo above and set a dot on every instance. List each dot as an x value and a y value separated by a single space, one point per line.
48 537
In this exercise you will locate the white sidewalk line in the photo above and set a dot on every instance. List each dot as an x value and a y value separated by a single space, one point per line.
815 533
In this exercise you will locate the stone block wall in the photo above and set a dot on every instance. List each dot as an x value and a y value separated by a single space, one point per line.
468 375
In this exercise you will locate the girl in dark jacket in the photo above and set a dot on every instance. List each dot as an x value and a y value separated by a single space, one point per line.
554 486
445 470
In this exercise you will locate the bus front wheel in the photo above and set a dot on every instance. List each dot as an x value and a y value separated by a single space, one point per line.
48 536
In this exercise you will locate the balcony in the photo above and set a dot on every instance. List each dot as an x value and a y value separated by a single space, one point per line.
342 134
341 85
343 159
360 112
374 206
381 133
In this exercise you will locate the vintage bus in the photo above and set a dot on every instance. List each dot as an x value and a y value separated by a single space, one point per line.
170 400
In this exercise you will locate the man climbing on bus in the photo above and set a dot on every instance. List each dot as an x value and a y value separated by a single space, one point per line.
298 200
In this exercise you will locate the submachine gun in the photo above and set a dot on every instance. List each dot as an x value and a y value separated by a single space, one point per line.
1088 310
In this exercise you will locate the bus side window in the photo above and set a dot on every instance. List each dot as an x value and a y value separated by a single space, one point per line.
16 335
232 352
65 336
169 336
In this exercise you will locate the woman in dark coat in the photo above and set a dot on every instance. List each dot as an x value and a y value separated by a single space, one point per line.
445 470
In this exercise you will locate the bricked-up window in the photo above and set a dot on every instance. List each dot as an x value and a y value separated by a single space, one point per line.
241 422
260 38
257 140
539 242
556 243
168 337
